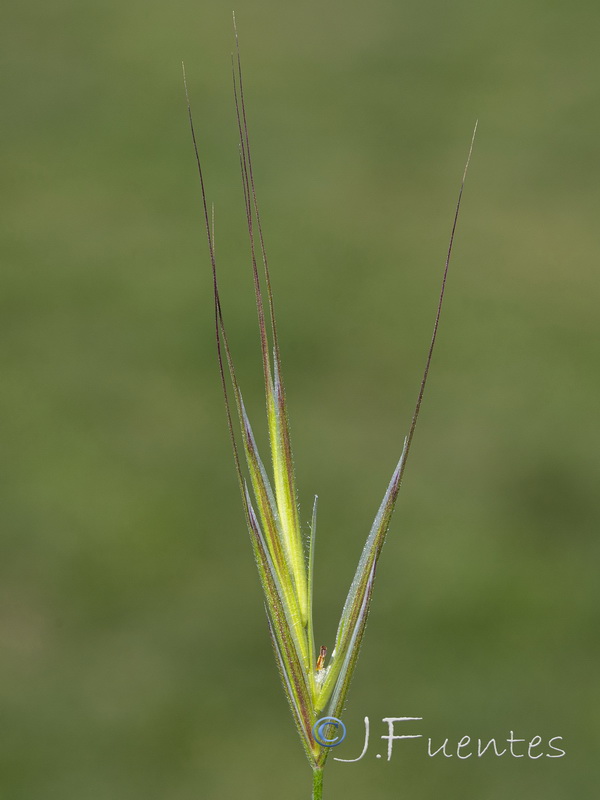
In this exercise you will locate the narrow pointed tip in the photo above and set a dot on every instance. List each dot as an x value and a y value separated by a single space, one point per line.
314 512
475 130
470 150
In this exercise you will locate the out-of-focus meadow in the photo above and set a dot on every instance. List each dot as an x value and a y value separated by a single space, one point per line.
135 660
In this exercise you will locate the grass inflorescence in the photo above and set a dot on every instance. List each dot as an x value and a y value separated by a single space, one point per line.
316 686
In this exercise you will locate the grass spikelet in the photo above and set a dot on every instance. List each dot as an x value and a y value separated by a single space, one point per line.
285 563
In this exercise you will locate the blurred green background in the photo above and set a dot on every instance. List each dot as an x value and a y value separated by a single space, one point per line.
135 660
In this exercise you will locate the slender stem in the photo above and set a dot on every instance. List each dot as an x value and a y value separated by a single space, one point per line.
317 784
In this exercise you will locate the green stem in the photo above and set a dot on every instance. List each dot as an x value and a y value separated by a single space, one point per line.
317 784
